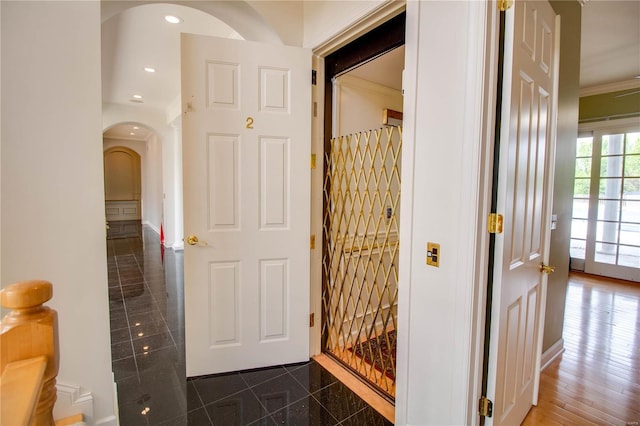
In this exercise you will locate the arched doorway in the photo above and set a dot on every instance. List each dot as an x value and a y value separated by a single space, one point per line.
122 184
133 174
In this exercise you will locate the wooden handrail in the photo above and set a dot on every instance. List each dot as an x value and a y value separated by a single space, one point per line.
29 332
20 387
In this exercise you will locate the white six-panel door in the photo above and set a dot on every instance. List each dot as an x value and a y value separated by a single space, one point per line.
524 184
246 146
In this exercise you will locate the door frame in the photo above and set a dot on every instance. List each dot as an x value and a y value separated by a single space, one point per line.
622 125
478 123
384 38
375 18
483 54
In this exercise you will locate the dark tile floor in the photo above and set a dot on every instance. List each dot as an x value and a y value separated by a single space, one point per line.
147 347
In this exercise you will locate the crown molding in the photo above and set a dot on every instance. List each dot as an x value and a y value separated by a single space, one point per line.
387 10
633 83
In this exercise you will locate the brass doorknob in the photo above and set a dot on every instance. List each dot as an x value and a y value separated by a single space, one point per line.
547 269
192 240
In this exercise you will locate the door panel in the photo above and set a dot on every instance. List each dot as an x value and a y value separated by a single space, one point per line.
246 132
223 173
224 303
526 140
274 182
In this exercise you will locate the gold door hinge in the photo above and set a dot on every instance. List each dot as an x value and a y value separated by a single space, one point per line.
485 407
494 224
312 320
504 5
312 242
313 161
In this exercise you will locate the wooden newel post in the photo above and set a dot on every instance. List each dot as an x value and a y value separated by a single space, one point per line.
31 330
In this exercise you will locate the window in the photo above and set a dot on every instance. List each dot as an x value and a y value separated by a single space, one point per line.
605 229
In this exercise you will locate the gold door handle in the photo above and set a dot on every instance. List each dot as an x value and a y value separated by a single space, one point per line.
192 240
547 269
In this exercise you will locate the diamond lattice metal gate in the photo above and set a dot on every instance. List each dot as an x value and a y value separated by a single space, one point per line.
360 226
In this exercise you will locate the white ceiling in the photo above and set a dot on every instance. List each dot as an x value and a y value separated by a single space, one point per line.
610 44
385 70
140 37
128 132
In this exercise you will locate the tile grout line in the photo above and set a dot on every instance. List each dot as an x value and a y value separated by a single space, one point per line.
126 315
140 257
309 394
320 389
323 406
146 284
201 402
355 414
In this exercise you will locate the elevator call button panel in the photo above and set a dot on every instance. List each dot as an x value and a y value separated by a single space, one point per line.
433 254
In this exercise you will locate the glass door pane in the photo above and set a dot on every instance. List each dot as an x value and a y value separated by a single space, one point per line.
582 186
613 235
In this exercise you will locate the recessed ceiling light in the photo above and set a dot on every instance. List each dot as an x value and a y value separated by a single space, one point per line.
137 96
172 19
149 69
132 134
136 127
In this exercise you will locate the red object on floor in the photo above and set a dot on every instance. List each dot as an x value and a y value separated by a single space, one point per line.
161 235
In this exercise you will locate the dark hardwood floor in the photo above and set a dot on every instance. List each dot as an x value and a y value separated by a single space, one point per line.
596 381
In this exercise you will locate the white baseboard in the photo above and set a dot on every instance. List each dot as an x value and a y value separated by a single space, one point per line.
152 226
71 401
107 421
114 420
552 353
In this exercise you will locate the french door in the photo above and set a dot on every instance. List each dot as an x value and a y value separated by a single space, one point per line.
605 231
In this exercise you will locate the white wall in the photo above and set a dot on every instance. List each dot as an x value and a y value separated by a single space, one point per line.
163 201
53 223
442 202
172 169
0 146
152 203
325 19
359 104
239 15
285 17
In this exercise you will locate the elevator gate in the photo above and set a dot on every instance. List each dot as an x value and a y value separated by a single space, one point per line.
360 254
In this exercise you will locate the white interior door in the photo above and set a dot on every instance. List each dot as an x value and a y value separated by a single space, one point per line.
246 149
525 178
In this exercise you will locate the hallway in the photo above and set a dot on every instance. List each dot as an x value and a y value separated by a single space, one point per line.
147 345
595 381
